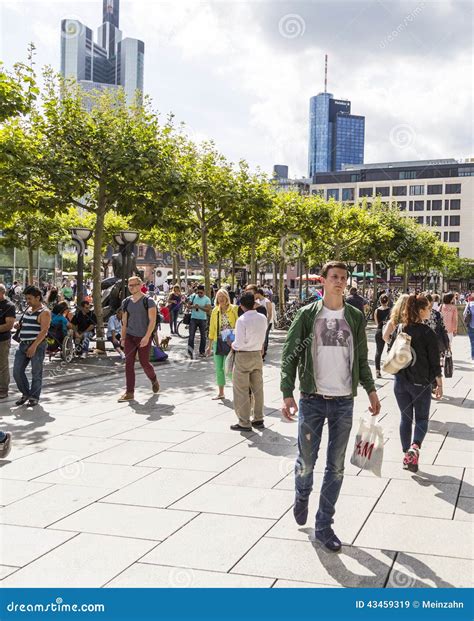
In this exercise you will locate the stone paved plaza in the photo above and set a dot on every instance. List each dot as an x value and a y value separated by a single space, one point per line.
159 492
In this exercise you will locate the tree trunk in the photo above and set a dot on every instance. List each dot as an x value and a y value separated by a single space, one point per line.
205 259
281 287
300 282
364 280
96 268
275 277
253 265
405 276
307 280
175 270
232 281
219 271
30 259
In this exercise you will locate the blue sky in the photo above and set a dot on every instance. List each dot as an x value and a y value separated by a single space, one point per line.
242 72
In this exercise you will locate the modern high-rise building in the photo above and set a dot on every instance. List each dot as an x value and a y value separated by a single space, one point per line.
111 62
336 137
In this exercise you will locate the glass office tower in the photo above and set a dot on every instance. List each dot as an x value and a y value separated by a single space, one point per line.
336 136
111 62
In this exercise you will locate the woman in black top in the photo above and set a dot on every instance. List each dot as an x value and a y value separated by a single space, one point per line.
381 315
413 384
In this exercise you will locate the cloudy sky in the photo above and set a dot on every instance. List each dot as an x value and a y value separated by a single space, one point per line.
242 72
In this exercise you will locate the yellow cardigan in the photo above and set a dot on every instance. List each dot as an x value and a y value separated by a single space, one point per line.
232 316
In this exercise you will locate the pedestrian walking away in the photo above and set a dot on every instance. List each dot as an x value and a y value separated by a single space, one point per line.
413 384
7 319
33 329
247 376
200 306
356 300
395 319
449 312
327 345
174 304
381 316
221 329
468 316
138 327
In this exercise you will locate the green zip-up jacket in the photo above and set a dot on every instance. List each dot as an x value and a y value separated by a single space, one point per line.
297 351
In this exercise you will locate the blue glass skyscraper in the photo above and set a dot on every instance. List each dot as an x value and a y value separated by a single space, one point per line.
336 136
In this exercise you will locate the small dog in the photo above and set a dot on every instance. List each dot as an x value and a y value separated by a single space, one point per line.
164 343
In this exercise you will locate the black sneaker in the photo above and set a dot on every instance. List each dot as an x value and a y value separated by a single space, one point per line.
259 424
21 401
300 510
32 403
5 445
329 539
238 427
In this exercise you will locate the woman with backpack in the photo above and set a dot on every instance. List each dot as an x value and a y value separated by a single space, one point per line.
223 317
413 383
381 315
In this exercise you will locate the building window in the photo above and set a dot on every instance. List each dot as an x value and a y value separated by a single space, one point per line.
333 193
347 194
419 219
453 236
385 191
399 190
435 220
454 220
466 172
402 205
141 251
435 189
446 204
416 190
419 205
355 178
366 192
445 236
436 205
453 188
455 203
407 174
428 220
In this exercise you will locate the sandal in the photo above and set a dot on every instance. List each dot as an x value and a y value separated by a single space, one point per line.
219 397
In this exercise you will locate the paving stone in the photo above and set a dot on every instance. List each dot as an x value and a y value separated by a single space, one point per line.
77 445
129 453
106 476
142 575
463 459
5 571
351 486
307 562
190 461
161 488
19 545
126 521
232 500
441 474
49 505
351 513
292 584
110 428
169 436
87 561
33 466
252 472
418 535
464 509
427 499
426 571
11 491
213 542
210 443
462 442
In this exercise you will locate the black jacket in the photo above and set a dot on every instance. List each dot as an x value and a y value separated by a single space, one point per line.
357 301
425 366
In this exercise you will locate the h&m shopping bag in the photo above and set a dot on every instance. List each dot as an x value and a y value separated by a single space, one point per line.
368 448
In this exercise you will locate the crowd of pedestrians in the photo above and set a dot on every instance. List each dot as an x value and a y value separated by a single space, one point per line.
326 347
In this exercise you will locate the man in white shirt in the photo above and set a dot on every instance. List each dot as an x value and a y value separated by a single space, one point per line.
250 331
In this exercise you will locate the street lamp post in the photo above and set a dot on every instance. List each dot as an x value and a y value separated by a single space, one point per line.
126 241
80 237
351 265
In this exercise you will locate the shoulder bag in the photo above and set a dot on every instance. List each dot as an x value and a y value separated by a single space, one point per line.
222 348
448 364
187 315
400 355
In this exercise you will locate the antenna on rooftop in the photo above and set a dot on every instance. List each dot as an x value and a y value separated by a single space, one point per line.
326 73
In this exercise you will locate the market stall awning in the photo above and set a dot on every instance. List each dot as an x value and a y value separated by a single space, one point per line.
362 274
309 277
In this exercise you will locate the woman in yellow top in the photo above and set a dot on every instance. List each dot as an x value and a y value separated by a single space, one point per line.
223 316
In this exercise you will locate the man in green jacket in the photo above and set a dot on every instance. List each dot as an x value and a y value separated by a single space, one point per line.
327 345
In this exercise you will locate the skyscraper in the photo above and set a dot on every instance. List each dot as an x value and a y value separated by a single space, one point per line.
336 137
111 62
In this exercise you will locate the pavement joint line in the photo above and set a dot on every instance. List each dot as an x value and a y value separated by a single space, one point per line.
459 493
74 535
371 511
395 557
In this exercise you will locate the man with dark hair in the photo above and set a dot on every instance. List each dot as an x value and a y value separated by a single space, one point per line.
34 326
84 323
329 371
250 331
356 300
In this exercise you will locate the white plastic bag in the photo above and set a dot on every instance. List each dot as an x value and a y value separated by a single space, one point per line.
368 448
229 364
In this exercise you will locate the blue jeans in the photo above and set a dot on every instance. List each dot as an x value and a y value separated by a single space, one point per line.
412 399
20 363
470 331
196 324
314 410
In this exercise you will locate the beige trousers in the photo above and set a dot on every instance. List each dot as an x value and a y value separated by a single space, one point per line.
247 375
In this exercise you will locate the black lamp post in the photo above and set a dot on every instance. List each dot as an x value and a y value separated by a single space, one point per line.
126 241
80 237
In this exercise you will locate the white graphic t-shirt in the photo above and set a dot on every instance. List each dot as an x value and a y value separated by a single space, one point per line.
332 353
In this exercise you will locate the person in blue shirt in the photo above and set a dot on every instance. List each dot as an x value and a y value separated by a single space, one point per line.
59 323
200 306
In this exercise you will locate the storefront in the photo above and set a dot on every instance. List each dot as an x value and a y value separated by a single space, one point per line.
14 266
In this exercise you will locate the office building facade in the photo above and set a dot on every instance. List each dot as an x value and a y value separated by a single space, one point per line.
111 62
336 137
438 194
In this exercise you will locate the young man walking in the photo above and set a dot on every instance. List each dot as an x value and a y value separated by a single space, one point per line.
138 326
327 344
7 319
200 305
34 326
250 331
